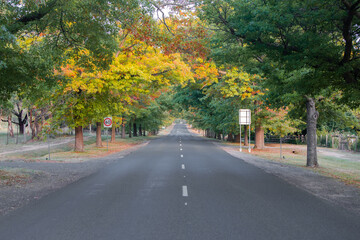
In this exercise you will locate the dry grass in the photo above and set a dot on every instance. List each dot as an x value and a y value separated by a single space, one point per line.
341 165
91 151
10 177
65 153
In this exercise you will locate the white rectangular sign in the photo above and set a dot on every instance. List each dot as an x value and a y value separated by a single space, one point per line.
244 116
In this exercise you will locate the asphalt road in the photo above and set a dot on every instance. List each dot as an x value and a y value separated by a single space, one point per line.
180 187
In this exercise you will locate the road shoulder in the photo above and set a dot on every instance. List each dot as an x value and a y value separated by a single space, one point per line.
326 188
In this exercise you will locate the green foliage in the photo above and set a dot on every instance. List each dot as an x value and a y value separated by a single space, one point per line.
59 25
299 45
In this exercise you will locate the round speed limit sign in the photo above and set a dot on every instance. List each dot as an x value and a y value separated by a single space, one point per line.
108 122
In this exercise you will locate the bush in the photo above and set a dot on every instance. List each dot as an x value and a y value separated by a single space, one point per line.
355 146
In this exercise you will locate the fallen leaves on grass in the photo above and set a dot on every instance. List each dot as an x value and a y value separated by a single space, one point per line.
10 179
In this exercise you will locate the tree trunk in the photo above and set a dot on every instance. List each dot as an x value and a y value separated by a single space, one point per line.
79 139
113 133
140 130
98 135
10 126
123 130
259 137
230 137
135 130
20 121
37 125
130 129
246 136
237 138
312 116
32 125
259 131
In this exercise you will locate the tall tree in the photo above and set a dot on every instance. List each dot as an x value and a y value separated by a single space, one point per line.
303 47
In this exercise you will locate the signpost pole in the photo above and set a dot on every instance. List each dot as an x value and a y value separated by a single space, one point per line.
107 125
48 137
7 134
245 119
240 138
249 139
107 140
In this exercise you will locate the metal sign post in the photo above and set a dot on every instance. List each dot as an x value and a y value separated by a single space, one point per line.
240 139
107 124
245 119
48 138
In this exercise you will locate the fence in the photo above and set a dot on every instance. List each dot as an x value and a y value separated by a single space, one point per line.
338 141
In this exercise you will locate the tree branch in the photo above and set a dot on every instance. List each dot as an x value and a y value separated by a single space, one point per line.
349 6
33 16
160 73
162 19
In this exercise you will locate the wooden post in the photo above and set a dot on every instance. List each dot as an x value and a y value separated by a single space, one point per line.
326 140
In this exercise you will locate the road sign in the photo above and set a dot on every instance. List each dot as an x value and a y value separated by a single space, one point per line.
244 117
107 122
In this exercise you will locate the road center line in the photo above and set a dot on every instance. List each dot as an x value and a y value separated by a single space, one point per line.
184 191
180 149
182 166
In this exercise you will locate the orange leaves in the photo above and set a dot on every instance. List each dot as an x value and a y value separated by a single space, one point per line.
68 71
204 72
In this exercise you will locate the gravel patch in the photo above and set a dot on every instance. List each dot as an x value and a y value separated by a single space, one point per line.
326 188
46 177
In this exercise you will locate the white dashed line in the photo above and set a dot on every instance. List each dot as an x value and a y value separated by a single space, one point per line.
184 191
186 204
180 149
182 166
180 145
181 155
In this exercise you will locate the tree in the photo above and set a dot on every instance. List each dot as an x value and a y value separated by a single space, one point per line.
138 70
280 124
75 24
303 47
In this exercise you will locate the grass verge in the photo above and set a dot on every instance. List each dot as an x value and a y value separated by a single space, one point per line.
342 165
65 152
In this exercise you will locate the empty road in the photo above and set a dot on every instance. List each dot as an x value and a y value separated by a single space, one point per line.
180 186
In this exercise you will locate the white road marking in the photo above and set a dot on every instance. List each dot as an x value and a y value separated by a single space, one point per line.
184 191
182 166
180 145
184 176
181 155
180 149
186 204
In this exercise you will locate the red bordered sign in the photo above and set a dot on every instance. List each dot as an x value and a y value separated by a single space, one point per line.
108 122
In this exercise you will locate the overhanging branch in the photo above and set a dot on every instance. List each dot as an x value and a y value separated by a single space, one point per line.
33 16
